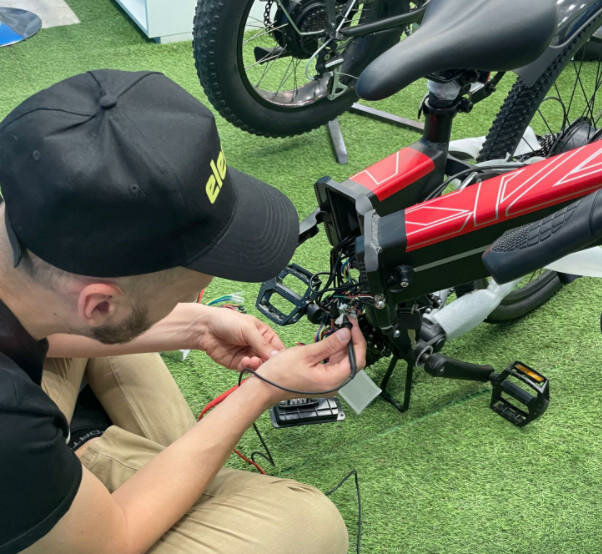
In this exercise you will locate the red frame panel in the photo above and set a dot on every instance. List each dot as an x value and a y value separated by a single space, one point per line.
395 172
553 181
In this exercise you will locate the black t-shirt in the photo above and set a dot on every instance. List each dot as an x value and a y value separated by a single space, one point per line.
39 473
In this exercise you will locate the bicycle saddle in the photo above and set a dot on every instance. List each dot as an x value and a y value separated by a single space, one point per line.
489 35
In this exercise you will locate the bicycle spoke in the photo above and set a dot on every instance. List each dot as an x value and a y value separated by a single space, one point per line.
587 104
285 77
592 99
266 59
265 32
524 140
572 95
296 81
545 121
266 68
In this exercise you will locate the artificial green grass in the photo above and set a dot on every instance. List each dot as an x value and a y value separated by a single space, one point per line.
449 475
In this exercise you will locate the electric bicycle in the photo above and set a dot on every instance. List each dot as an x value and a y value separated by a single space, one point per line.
400 247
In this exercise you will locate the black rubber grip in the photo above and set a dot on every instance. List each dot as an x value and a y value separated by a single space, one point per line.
527 248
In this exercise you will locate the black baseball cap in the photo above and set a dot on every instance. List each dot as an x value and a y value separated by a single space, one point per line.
115 173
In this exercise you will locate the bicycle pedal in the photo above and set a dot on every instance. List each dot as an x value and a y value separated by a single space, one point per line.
520 402
306 411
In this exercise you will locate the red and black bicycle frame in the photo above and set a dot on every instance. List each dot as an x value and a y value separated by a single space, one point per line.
406 248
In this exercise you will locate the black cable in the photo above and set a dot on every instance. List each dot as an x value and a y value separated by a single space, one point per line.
359 503
483 169
352 373
267 455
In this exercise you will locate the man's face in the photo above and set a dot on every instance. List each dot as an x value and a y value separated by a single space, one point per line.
137 323
154 307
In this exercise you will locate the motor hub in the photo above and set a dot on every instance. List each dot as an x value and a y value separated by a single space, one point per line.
308 15
577 134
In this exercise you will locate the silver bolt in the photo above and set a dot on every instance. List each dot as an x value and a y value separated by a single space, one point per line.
396 334
404 284
379 302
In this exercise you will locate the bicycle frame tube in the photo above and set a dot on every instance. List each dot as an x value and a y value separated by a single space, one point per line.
437 244
442 239
404 178
394 22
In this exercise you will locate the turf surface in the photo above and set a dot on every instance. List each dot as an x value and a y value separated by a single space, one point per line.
449 475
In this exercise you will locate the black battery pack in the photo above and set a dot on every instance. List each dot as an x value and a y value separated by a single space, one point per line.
306 411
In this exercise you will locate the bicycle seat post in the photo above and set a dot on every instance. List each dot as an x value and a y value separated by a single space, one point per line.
440 108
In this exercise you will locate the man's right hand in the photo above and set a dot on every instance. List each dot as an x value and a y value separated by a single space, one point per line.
304 368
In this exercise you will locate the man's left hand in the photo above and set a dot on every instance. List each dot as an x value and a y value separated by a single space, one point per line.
238 341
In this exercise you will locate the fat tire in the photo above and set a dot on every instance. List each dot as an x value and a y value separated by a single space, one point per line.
514 116
215 46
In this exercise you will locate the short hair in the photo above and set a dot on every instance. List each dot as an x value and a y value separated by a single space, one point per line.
54 278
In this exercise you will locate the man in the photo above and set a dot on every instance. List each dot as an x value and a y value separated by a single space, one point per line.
118 208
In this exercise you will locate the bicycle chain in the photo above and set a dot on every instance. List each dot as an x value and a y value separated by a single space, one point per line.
266 14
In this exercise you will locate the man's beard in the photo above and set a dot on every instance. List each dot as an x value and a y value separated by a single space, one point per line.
136 324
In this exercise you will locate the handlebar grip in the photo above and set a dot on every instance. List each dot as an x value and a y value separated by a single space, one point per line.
527 248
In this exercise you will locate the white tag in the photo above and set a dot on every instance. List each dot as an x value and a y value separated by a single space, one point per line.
359 392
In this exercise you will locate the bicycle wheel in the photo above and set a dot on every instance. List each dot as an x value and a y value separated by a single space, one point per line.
266 78
562 109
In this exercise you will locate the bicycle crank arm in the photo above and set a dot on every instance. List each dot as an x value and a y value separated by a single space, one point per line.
520 394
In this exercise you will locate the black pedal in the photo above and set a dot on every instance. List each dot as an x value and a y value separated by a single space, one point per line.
306 411
295 302
519 404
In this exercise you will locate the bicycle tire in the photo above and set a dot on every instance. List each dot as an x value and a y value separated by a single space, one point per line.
515 114
218 50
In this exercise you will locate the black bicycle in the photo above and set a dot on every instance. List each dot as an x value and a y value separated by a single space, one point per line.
284 67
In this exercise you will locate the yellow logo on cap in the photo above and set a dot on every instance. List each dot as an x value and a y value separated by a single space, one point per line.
215 182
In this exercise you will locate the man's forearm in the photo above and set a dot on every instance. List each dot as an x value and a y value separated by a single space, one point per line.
180 329
159 494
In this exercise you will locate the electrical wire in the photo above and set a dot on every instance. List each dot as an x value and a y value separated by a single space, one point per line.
359 503
353 372
267 455
250 460
439 190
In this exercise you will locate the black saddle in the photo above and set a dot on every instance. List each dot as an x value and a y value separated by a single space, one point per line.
488 35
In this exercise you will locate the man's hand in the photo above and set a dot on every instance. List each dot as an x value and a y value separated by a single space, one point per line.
315 367
237 341
232 339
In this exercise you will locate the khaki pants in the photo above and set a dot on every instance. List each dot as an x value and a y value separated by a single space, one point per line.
240 511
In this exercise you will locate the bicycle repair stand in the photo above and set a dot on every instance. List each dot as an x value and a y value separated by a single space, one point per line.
336 134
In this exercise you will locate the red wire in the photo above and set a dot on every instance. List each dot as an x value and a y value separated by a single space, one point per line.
259 468
214 403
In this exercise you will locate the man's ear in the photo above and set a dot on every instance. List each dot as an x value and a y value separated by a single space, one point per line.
98 303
